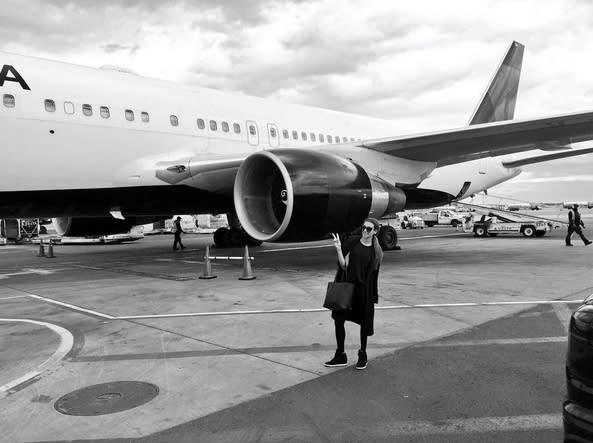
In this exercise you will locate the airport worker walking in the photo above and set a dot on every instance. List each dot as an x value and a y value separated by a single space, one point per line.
575 224
177 232
359 260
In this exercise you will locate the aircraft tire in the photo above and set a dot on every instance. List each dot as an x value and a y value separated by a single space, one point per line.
529 231
387 238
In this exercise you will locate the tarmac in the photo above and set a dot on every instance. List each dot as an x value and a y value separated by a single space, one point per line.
124 343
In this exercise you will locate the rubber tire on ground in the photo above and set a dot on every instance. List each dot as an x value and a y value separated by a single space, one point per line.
454 223
221 237
236 238
403 225
493 234
429 224
387 238
480 231
528 231
540 233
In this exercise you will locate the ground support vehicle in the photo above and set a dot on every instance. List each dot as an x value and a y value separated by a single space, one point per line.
408 221
493 225
442 217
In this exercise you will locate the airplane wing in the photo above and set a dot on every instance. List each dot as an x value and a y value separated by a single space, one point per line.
488 140
545 158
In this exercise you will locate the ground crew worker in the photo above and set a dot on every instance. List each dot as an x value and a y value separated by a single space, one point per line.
575 224
177 232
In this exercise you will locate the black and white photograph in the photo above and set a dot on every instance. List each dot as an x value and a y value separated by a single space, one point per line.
304 221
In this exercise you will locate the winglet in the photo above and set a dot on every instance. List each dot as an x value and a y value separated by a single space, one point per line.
498 101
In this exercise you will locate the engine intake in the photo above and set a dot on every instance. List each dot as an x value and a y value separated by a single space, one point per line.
298 195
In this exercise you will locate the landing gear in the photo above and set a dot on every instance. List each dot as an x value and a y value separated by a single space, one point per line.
387 237
233 237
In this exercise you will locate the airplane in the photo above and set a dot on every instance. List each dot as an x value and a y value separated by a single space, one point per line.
102 150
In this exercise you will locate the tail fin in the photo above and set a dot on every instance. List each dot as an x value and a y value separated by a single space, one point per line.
498 102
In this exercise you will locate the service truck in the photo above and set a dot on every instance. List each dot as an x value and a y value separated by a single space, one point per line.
442 217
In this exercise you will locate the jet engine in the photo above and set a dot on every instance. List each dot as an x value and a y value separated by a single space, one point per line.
90 226
298 195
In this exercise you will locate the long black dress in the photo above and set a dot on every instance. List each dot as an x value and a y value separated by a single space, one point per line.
361 272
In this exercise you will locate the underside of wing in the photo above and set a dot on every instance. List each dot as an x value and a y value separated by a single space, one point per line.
488 140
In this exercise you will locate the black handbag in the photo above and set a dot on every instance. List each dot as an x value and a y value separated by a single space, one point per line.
339 295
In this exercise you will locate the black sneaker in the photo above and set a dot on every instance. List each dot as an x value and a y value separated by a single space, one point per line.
588 242
362 360
340 359
568 244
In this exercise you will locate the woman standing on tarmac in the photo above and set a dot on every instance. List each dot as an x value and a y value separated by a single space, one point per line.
360 259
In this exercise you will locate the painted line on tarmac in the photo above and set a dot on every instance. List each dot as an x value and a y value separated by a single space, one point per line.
10 298
431 236
496 341
297 248
296 311
387 431
65 305
66 343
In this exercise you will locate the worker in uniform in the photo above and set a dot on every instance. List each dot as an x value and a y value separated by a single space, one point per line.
575 224
177 232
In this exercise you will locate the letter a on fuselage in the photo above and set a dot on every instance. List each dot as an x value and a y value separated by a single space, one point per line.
16 77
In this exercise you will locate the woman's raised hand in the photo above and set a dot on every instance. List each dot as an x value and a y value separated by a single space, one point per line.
337 242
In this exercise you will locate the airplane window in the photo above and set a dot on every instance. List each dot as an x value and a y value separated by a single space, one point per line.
174 120
329 139
225 126
87 110
145 117
295 135
129 115
321 139
213 125
69 107
312 137
201 124
345 139
273 132
50 106
285 133
351 139
252 130
237 128
8 100
304 135
337 139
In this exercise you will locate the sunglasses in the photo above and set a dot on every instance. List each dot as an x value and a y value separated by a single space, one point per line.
368 228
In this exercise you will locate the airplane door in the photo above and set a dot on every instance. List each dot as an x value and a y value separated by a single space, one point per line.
273 137
252 133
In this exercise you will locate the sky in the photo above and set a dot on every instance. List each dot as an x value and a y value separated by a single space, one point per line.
423 64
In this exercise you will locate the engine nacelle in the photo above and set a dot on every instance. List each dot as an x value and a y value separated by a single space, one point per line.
90 226
297 195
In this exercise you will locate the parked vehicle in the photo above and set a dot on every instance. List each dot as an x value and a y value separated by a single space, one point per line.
493 225
409 221
577 411
442 217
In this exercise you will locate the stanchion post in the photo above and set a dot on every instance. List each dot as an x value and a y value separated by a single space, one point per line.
50 249
41 252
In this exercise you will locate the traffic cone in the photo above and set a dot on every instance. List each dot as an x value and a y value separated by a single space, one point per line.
41 252
247 274
207 266
50 250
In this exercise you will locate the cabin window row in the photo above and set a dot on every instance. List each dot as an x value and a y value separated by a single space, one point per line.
50 106
313 137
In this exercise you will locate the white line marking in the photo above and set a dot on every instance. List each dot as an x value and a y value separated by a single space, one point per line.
305 310
430 236
68 305
496 341
28 271
14 296
295 248
66 343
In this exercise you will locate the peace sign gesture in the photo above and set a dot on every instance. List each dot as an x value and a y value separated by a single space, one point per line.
337 242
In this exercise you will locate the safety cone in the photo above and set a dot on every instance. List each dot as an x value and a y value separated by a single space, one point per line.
41 252
247 274
50 250
207 266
